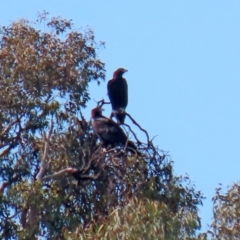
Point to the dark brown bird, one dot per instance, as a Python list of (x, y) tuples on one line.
[(118, 94), (109, 132)]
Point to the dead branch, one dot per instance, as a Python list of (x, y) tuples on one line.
[(70, 171), (97, 154), (9, 126), (4, 185), (85, 164), (6, 151), (33, 215), (45, 154), (135, 136), (23, 218), (60, 173), (101, 103), (133, 120)]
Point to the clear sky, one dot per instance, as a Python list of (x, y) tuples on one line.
[(183, 59)]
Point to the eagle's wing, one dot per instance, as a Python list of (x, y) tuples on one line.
[(109, 131), (118, 93)]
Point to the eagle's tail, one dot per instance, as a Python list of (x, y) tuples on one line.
[(120, 116)]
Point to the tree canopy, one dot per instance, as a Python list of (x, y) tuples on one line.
[(56, 181)]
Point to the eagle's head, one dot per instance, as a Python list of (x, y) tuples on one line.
[(96, 112), (119, 72)]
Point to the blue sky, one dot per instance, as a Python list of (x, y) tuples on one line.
[(183, 59)]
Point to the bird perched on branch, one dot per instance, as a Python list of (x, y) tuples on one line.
[(109, 132), (118, 94)]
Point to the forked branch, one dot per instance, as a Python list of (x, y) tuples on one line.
[(101, 103), (133, 120)]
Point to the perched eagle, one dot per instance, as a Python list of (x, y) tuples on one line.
[(118, 94), (109, 132)]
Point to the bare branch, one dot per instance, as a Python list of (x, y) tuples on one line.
[(45, 154), (23, 218), (70, 171), (138, 141), (138, 126), (9, 126), (33, 216), (4, 185), (60, 173), (4, 145), (101, 103), (6, 151)]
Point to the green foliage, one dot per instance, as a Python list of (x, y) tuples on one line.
[(138, 219), (226, 223), (56, 181), (44, 84)]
